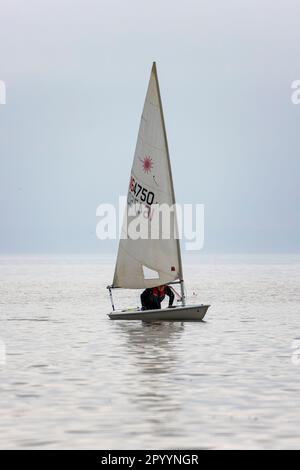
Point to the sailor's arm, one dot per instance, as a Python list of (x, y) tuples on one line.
[(171, 296)]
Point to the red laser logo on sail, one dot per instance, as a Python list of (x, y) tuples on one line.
[(147, 164)]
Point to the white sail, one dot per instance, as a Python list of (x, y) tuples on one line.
[(149, 262)]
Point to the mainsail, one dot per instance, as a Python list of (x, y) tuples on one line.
[(143, 263)]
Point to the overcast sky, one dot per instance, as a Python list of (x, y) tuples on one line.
[(76, 74)]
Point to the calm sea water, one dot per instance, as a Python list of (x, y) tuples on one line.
[(71, 378)]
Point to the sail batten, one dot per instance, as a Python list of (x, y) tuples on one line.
[(151, 171)]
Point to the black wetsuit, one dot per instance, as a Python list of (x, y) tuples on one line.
[(151, 299)]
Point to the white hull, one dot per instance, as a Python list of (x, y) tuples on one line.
[(187, 313)]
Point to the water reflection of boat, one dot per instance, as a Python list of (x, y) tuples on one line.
[(152, 348)]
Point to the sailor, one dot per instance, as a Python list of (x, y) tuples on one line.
[(152, 298)]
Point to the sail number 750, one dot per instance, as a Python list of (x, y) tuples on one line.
[(140, 192)]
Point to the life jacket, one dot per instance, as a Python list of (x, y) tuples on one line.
[(159, 292)]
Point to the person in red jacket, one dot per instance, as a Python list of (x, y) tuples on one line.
[(151, 299)]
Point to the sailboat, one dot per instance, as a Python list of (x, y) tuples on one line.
[(151, 262)]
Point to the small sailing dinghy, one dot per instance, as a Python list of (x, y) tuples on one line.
[(153, 261)]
